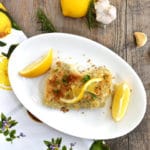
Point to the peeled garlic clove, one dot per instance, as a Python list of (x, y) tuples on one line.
[(141, 38)]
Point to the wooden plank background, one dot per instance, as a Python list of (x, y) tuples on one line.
[(132, 15)]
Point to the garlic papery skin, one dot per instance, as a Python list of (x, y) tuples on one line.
[(105, 13)]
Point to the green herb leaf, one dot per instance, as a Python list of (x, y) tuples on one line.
[(58, 141), (2, 44), (11, 49), (9, 139), (1, 124), (99, 145), (46, 24), (65, 79), (12, 123), (6, 132), (5, 125), (12, 134), (55, 144), (64, 148), (14, 25), (91, 16), (86, 78), (3, 117)]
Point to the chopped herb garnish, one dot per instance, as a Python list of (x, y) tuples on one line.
[(93, 96), (65, 79), (86, 78), (2, 44), (6, 124), (46, 24), (56, 91), (13, 23), (55, 144), (91, 16), (11, 49)]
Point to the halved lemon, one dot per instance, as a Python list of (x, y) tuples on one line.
[(120, 101), (4, 81), (81, 94), (38, 67), (74, 8)]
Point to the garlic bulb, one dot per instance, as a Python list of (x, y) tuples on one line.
[(105, 12)]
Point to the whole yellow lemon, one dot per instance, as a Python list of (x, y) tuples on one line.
[(5, 25), (74, 8)]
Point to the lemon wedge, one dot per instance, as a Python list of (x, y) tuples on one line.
[(83, 89), (5, 25), (38, 67), (74, 8), (120, 101), (4, 81)]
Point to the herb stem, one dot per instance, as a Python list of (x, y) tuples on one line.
[(46, 24)]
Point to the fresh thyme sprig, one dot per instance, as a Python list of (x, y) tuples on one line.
[(55, 144), (99, 145), (6, 124), (46, 24), (91, 16)]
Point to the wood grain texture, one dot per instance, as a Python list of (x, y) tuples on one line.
[(132, 15)]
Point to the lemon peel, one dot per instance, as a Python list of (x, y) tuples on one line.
[(4, 80), (74, 8), (83, 89), (2, 7), (5, 25), (120, 101), (38, 67)]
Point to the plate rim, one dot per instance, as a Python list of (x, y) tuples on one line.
[(103, 47)]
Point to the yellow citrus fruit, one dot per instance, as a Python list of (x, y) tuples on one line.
[(120, 101), (4, 81), (81, 94), (2, 7), (5, 25), (38, 67), (74, 8)]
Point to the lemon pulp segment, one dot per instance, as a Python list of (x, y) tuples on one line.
[(120, 101), (38, 67), (83, 89)]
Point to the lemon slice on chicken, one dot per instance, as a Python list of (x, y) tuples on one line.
[(38, 67), (82, 91)]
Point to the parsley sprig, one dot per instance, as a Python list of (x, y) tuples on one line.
[(55, 144), (6, 125)]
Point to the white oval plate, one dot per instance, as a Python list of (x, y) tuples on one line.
[(90, 124)]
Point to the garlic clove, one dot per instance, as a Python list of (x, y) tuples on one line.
[(141, 38)]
